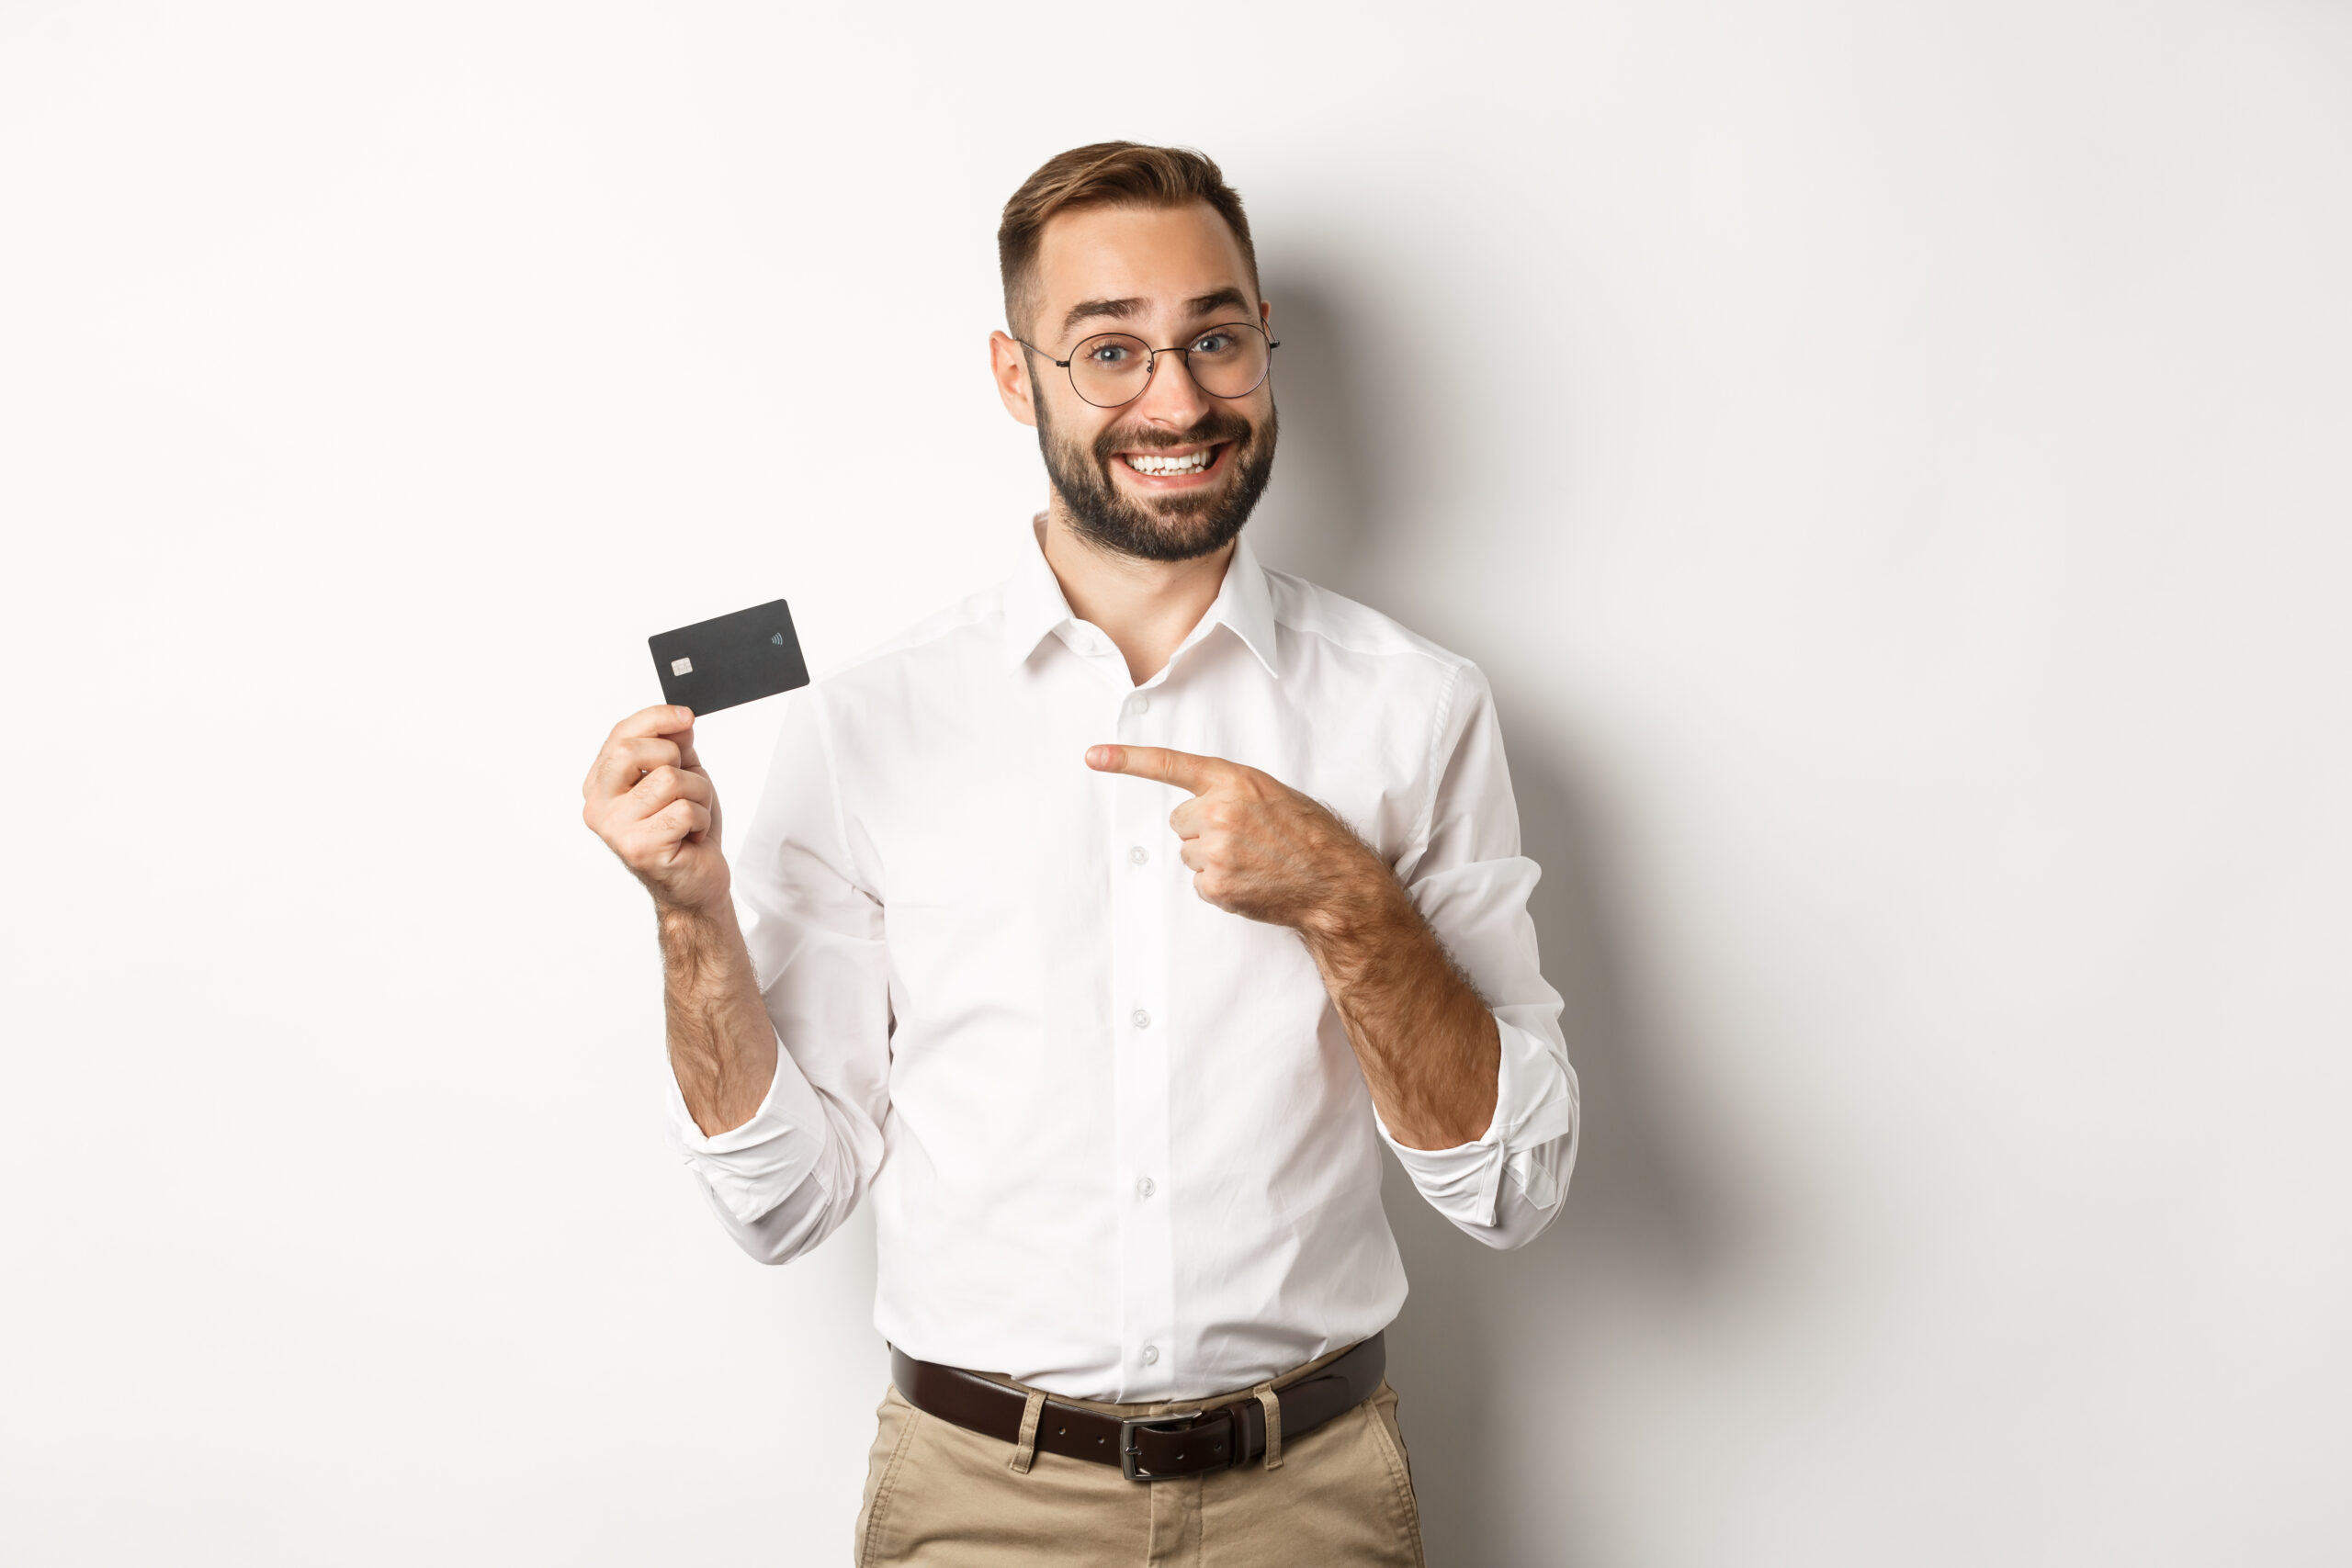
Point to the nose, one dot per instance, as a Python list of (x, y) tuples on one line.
[(1172, 397)]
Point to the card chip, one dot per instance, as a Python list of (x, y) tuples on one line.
[(682, 667)]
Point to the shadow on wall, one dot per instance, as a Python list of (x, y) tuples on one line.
[(1487, 1352)]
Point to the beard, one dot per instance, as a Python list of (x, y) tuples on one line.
[(1168, 527)]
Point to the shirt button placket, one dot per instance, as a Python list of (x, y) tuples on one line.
[(1138, 816)]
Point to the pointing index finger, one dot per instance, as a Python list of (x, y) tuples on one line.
[(1182, 768)]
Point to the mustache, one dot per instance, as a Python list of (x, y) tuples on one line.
[(1212, 427)]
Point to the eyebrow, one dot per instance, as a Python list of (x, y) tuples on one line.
[(1128, 308), (1223, 297), (1120, 309)]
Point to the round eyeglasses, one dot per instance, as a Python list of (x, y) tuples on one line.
[(1110, 369)]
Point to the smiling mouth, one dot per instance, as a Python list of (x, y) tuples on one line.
[(1164, 466)]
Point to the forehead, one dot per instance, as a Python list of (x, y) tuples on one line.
[(1160, 254)]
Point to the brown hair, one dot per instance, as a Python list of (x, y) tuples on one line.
[(1106, 174)]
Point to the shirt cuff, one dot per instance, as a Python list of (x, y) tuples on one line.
[(1532, 1107), (751, 1168)]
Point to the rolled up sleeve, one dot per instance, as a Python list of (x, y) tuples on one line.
[(786, 1179), (1471, 883)]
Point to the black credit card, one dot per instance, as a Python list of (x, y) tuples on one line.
[(735, 658)]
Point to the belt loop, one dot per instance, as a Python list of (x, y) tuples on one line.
[(1273, 1403), (1024, 1451)]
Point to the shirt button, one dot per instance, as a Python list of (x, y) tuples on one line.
[(1150, 1354), (1138, 704), (1144, 1189), (1139, 854), (1141, 1020)]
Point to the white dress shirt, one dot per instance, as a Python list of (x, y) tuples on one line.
[(1115, 1139)]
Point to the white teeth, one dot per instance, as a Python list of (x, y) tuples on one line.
[(1190, 464)]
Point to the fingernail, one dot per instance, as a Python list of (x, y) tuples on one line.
[(1098, 756)]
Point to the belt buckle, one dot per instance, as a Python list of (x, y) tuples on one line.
[(1132, 1426)]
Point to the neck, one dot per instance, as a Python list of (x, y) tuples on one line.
[(1146, 607)]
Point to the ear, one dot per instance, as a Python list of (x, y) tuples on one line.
[(1009, 364)]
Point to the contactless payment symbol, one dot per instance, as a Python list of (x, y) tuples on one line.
[(777, 640)]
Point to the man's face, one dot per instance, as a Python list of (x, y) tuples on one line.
[(1162, 275)]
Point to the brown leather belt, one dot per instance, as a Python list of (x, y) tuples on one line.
[(1146, 1448)]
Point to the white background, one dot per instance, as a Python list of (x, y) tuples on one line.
[(1892, 460)]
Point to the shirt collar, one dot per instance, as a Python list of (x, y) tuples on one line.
[(1034, 607)]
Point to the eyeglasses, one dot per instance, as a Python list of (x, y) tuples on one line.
[(1110, 369)]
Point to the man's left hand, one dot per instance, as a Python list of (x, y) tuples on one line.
[(1257, 847)]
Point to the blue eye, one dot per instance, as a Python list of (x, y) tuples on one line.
[(1212, 342), (1108, 354)]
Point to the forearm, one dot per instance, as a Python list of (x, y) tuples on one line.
[(722, 1046), (1427, 1045)]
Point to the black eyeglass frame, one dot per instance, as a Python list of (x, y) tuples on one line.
[(1151, 365)]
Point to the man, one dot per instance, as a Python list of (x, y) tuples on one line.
[(1101, 928)]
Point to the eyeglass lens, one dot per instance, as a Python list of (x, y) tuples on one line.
[(1225, 362)]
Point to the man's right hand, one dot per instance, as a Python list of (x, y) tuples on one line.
[(649, 799)]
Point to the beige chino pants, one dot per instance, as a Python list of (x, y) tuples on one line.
[(940, 1497)]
